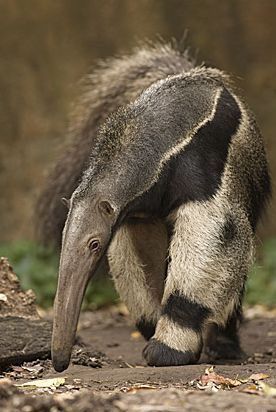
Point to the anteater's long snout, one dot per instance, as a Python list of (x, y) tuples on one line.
[(68, 300), (85, 239)]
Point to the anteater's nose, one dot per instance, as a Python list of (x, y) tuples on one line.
[(60, 361)]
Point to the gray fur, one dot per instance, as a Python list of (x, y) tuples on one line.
[(132, 149), (114, 82), (138, 140)]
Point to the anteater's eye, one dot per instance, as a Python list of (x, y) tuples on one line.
[(94, 245)]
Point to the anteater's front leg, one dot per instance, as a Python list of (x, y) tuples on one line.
[(138, 258), (209, 255)]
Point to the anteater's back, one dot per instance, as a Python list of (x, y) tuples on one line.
[(115, 82)]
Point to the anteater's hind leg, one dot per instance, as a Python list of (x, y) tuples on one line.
[(210, 251), (223, 342), (138, 260)]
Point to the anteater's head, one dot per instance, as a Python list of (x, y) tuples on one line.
[(86, 235)]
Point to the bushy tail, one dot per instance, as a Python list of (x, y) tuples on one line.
[(114, 83)]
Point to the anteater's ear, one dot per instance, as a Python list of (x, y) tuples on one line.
[(66, 202), (106, 208)]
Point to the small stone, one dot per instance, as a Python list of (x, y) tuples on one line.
[(3, 297)]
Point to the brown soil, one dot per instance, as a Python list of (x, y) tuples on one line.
[(108, 373)]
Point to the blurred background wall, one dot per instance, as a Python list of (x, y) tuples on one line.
[(47, 46)]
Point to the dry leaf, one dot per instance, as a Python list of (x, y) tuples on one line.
[(208, 370), (219, 380), (211, 386), (129, 365), (33, 369), (252, 389), (267, 389), (258, 376), (135, 335), (18, 368), (211, 376), (134, 389), (43, 383)]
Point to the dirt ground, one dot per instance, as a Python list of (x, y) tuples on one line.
[(108, 374)]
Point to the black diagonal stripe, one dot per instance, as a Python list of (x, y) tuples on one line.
[(186, 313)]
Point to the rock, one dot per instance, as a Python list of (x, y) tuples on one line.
[(24, 336), (24, 340), (13, 300)]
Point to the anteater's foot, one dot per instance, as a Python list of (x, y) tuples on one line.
[(220, 344), (157, 353), (225, 349)]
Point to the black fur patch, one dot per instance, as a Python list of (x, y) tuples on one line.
[(229, 230), (185, 313), (146, 328), (195, 173), (157, 353)]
